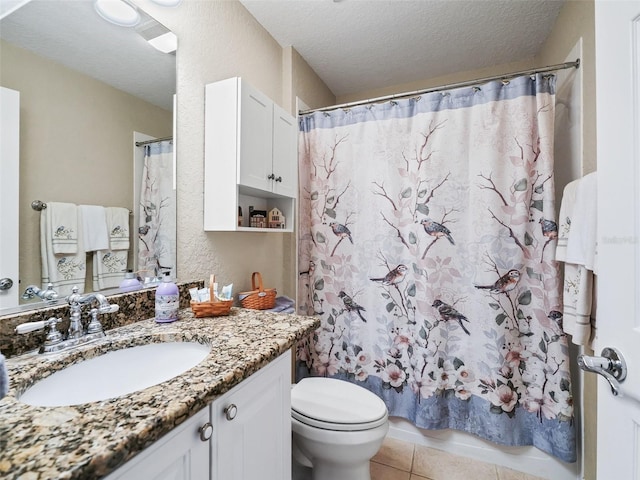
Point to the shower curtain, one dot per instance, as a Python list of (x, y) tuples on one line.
[(427, 239), (157, 230)]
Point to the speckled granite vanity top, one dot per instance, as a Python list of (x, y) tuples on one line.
[(91, 440)]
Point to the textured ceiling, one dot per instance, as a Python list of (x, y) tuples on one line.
[(358, 45), (353, 45), (71, 33)]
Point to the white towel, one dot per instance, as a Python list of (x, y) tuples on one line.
[(63, 222), (63, 271), (582, 242), (564, 221), (109, 267), (578, 319), (118, 225), (578, 299), (94, 228)]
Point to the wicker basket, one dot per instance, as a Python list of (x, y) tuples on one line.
[(214, 307), (258, 298)]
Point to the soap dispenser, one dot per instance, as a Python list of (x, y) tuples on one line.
[(167, 300), (130, 282)]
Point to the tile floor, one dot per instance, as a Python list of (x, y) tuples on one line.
[(399, 460)]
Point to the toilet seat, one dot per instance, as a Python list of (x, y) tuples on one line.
[(337, 405)]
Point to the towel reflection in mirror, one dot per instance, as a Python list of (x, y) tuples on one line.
[(69, 232)]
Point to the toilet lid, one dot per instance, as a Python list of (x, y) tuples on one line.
[(336, 405)]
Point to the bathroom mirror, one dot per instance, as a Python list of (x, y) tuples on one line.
[(86, 86)]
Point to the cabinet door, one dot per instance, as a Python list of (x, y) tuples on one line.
[(179, 455), (285, 153), (255, 143), (253, 441)]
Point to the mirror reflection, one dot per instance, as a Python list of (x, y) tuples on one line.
[(88, 91)]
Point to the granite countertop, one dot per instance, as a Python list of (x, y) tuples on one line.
[(91, 440)]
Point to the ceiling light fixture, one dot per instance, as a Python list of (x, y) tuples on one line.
[(118, 12), (166, 43)]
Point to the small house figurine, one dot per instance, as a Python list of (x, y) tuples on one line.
[(276, 219), (258, 218)]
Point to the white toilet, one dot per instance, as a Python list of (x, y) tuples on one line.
[(337, 427)]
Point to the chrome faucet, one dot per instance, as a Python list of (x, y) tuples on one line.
[(47, 295), (76, 301), (76, 334)]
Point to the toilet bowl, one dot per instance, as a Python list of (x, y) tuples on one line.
[(336, 428)]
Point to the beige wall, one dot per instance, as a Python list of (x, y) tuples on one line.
[(306, 84), (76, 139)]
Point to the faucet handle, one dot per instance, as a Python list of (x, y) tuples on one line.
[(54, 337), (109, 308), (29, 327), (33, 326), (94, 329)]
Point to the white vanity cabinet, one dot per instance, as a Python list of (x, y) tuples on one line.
[(251, 156), (179, 455), (248, 431), (253, 427)]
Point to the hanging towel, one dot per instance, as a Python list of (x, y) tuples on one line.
[(582, 242), (4, 378), (94, 228), (63, 271), (578, 208), (63, 222), (118, 226), (578, 300), (566, 212), (109, 267)]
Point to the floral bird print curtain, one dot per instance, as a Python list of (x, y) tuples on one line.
[(157, 230), (427, 236)]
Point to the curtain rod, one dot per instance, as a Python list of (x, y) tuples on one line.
[(147, 142), (469, 83)]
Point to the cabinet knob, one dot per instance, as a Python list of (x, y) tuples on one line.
[(271, 177), (230, 412), (205, 432), (278, 179)]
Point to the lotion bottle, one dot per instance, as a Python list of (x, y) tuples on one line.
[(167, 300)]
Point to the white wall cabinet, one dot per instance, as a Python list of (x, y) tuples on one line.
[(250, 156), (250, 436)]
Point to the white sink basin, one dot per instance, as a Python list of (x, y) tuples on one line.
[(115, 373)]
